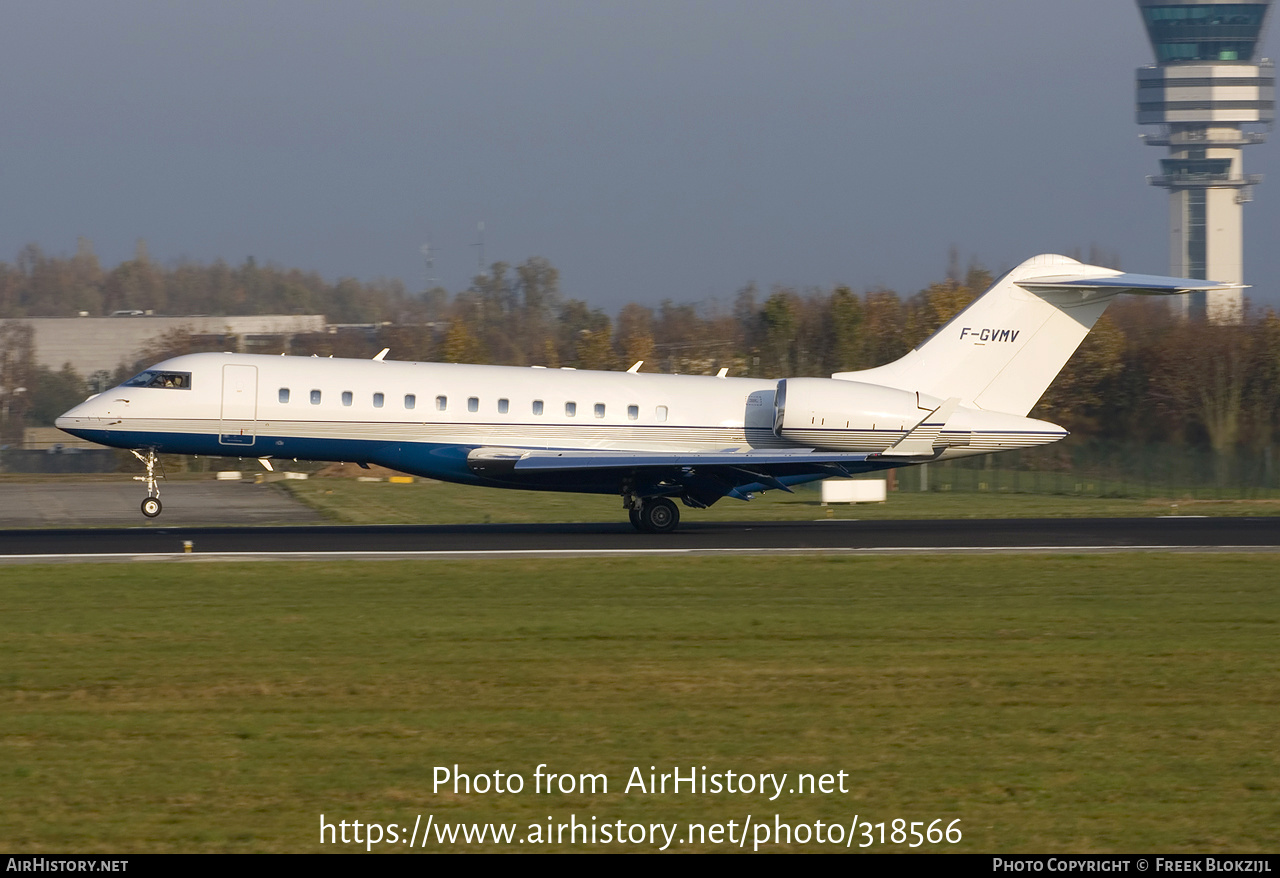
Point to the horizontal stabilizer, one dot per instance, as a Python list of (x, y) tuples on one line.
[(1138, 284)]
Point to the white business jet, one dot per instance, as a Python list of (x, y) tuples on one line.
[(649, 438)]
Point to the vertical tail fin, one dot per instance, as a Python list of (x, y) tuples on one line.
[(1003, 350)]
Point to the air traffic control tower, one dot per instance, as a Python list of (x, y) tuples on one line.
[(1208, 83)]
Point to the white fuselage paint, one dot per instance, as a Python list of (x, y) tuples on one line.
[(671, 412), (239, 399)]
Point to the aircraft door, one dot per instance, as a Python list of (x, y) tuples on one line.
[(239, 405)]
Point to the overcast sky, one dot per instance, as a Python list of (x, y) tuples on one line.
[(650, 150)]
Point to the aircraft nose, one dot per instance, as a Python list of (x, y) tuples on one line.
[(81, 416)]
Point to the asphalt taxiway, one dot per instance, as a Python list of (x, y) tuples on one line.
[(115, 502)]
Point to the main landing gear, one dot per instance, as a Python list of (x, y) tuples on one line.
[(653, 515), (151, 506)]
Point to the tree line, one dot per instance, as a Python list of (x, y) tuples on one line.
[(1142, 375)]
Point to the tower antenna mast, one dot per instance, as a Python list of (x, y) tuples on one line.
[(428, 255), (479, 245)]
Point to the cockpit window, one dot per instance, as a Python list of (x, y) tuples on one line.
[(151, 378)]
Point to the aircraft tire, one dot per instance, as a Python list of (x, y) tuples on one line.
[(659, 516), (151, 507), (634, 515)]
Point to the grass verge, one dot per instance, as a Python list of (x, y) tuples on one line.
[(429, 502), (1105, 703)]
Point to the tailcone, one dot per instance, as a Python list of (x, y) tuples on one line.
[(997, 431)]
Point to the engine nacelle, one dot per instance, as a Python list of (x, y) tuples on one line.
[(846, 415)]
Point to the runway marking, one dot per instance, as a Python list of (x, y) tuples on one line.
[(454, 554)]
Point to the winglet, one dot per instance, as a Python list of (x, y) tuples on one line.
[(920, 441), (636, 367), (382, 353)]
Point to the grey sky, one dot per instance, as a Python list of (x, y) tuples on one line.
[(650, 150)]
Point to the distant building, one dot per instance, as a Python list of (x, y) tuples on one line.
[(91, 344), (1207, 84)]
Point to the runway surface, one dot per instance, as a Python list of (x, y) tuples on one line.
[(470, 541)]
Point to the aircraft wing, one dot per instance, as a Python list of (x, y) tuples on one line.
[(528, 460), (708, 473)]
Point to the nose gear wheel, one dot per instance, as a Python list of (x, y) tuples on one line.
[(151, 506)]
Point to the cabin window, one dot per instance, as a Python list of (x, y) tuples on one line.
[(473, 404), (284, 394), (442, 403), (660, 412), (315, 397), (599, 410), (570, 409), (378, 400), (537, 406), (347, 397), (410, 400), (503, 405), (151, 378), (633, 413)]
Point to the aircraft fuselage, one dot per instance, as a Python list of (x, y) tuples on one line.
[(426, 418)]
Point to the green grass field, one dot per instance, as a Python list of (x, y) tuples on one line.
[(1082, 704), (428, 502)]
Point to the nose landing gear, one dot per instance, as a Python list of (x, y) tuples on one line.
[(151, 506)]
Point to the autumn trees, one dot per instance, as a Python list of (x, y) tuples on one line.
[(39, 285), (1142, 376)]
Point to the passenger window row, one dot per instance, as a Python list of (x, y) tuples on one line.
[(473, 404)]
